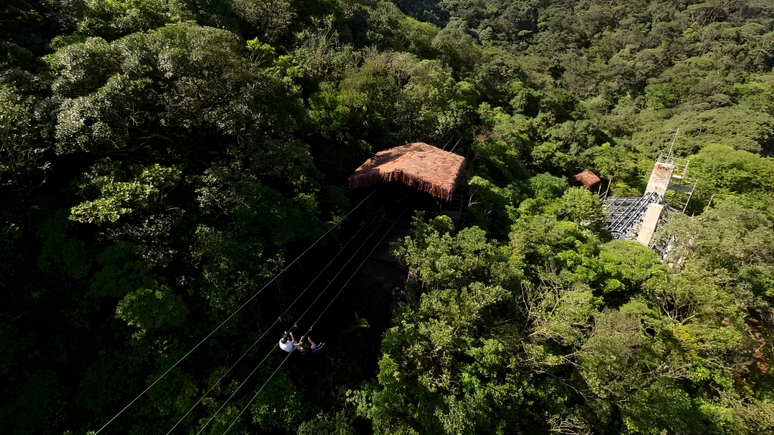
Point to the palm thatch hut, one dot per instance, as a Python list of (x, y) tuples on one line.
[(418, 165), (588, 179)]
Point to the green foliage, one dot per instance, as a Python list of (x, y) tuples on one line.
[(662, 407), (491, 207), (260, 51), (756, 93), (498, 161), (724, 171), (12, 346), (117, 18), (36, 405), (448, 261), (174, 394), (279, 405), (614, 163), (118, 198), (270, 20), (21, 138), (261, 220), (121, 273), (10, 238), (548, 156), (106, 378), (614, 356), (582, 207), (728, 237), (167, 88), (457, 47), (61, 252), (547, 186), (391, 98), (445, 368), (389, 29), (322, 424), (630, 266), (719, 125), (151, 308), (160, 161)]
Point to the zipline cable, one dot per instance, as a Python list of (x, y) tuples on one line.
[(313, 302), (259, 392), (376, 216), (240, 386), (361, 265), (234, 313), (455, 145), (345, 265), (319, 317)]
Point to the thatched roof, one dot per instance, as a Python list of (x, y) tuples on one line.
[(419, 165), (588, 179)]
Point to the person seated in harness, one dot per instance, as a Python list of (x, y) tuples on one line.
[(288, 345), (308, 347)]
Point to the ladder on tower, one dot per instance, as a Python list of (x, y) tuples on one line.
[(682, 184)]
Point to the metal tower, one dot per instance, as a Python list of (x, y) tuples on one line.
[(638, 218)]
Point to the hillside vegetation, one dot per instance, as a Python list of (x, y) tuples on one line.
[(162, 160)]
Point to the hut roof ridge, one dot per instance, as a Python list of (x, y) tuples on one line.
[(417, 164)]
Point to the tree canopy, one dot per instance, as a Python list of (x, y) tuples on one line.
[(162, 161)]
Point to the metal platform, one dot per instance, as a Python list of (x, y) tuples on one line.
[(625, 213)]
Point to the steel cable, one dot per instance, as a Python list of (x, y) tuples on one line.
[(376, 216), (307, 310), (233, 314), (315, 322)]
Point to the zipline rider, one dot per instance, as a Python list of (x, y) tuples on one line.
[(288, 345)]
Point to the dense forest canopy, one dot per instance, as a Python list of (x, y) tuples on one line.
[(161, 161)]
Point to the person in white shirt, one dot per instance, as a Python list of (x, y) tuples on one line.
[(288, 345)]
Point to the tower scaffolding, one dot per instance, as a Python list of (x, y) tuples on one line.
[(638, 218), (680, 183), (624, 214)]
